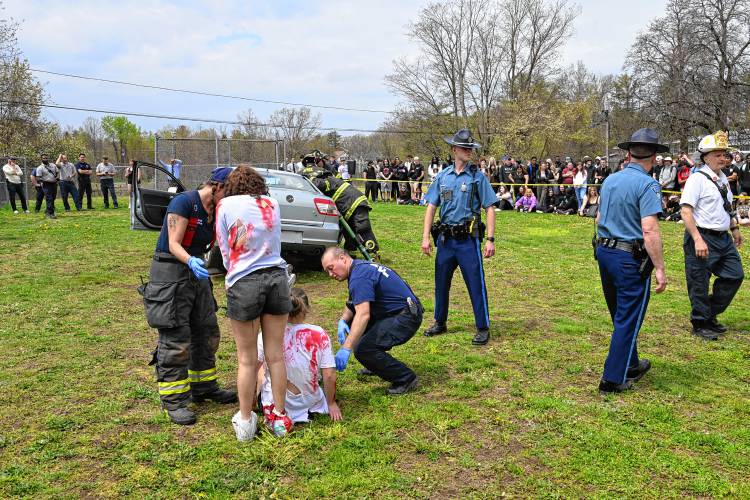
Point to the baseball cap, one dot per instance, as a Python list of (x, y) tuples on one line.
[(220, 174)]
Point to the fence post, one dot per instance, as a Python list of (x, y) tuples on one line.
[(216, 149), (229, 144)]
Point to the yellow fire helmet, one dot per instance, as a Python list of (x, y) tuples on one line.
[(715, 142)]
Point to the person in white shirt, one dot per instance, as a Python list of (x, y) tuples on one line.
[(14, 183), (248, 233), (344, 171), (105, 171), (708, 245), (307, 356)]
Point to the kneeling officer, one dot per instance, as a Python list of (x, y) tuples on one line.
[(179, 302)]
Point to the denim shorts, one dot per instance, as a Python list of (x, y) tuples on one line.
[(265, 291)]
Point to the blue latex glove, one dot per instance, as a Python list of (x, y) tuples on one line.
[(343, 331), (197, 266), (342, 358)]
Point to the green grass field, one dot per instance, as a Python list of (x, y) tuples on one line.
[(521, 417)]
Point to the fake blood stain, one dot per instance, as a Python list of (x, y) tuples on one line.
[(239, 234), (313, 341), (266, 211)]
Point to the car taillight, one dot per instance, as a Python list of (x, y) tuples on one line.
[(326, 207)]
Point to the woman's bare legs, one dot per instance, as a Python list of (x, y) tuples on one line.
[(273, 327), (246, 338)]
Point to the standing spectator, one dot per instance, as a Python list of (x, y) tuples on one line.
[(129, 178), (395, 176), (434, 170), (533, 169), (13, 181), (543, 177), (683, 172), (106, 173), (668, 174), (744, 175), (371, 185), (68, 177), (733, 175), (84, 181), (343, 171), (49, 175), (556, 179), (385, 182), (416, 176), (567, 174), (657, 167), (506, 170), (580, 179), (519, 179), (174, 167), (38, 187)]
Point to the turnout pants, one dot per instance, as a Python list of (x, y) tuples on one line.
[(724, 262), (465, 254), (381, 335), (627, 296), (13, 190), (69, 188), (360, 224), (84, 186), (50, 193), (183, 309)]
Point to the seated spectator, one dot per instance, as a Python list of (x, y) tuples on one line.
[(527, 202), (504, 199), (547, 204), (565, 203), (590, 205), (307, 353), (743, 210), (671, 208)]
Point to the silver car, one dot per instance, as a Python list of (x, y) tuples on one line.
[(309, 219)]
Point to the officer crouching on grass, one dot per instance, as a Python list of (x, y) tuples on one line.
[(709, 247), (628, 247), (382, 312), (461, 191)]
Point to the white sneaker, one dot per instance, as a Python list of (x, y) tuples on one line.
[(15, 211), (25, 211), (245, 429)]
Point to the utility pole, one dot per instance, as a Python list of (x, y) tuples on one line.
[(605, 111)]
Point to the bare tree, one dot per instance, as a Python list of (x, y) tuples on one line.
[(295, 126), (92, 129)]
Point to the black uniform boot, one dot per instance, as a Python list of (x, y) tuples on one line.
[(436, 329), (713, 324), (222, 396), (481, 338), (635, 373), (606, 386), (181, 416)]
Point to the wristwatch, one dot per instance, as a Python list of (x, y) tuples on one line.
[(491, 239)]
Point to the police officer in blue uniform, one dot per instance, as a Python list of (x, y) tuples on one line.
[(628, 248), (461, 191)]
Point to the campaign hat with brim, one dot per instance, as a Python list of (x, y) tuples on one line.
[(645, 137), (462, 139)]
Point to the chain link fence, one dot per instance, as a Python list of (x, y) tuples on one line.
[(200, 156)]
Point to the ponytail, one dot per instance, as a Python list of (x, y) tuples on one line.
[(300, 303)]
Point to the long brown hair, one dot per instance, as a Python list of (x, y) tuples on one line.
[(245, 180), (300, 303)]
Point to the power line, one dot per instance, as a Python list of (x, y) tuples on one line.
[(204, 120), (209, 94)]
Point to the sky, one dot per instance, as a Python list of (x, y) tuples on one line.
[(330, 53)]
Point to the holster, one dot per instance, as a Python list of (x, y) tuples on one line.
[(646, 266)]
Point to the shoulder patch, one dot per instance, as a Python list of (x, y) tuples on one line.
[(655, 188)]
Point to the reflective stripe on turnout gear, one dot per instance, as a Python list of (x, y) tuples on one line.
[(354, 206), (339, 191), (176, 387), (202, 376)]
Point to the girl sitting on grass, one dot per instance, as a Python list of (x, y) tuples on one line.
[(307, 353)]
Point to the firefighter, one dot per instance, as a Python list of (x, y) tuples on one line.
[(353, 207), (179, 302)]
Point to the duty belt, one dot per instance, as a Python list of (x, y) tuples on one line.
[(166, 257), (712, 232), (626, 246)]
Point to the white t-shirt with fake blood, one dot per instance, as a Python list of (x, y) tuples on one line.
[(307, 350), (248, 232)]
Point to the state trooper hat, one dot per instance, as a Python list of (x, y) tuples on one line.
[(462, 139), (645, 137)]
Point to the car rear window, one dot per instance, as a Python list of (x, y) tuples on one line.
[(287, 182)]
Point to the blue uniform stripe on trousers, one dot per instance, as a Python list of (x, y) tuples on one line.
[(484, 286), (638, 325)]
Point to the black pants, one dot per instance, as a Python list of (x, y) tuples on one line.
[(39, 197), (84, 185), (13, 190), (108, 187), (183, 310), (383, 334), (69, 188), (371, 190), (50, 194), (360, 224), (724, 262)]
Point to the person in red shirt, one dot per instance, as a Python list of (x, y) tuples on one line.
[(568, 173)]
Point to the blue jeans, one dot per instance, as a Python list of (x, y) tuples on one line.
[(66, 188)]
